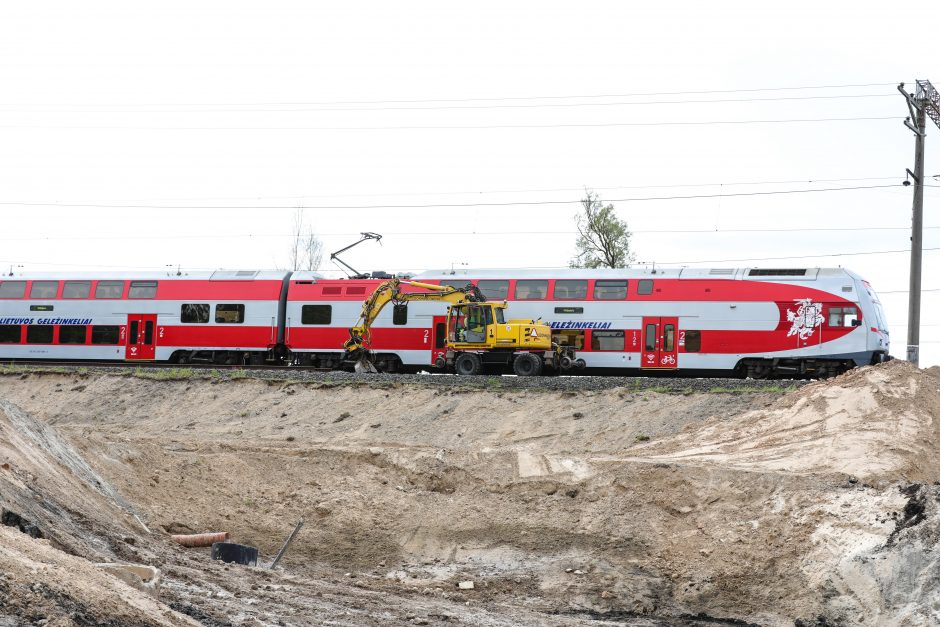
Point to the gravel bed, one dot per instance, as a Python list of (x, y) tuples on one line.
[(681, 385)]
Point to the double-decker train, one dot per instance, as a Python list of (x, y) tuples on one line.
[(756, 322)]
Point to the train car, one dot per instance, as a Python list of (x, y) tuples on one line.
[(754, 322), (215, 317)]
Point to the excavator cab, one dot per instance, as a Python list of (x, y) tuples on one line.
[(471, 323)]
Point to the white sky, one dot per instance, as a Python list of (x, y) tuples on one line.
[(174, 114)]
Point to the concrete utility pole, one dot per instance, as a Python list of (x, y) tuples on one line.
[(925, 101)]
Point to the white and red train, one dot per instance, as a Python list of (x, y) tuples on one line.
[(753, 322)]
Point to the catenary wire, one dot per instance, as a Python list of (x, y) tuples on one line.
[(448, 107), (452, 205), (451, 127), (554, 97), (300, 197), (449, 233)]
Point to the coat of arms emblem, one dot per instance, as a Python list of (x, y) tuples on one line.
[(807, 317)]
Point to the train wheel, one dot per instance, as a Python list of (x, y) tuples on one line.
[(468, 364), (527, 365)]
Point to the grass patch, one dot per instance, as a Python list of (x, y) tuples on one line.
[(164, 374)]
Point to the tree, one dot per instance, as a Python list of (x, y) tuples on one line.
[(306, 249), (603, 239)]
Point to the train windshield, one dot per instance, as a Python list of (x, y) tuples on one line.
[(879, 311)]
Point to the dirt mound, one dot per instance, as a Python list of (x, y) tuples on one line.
[(58, 516), (878, 422), (562, 507)]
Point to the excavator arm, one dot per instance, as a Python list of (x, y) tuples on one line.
[(390, 291)]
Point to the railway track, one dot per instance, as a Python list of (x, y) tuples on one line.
[(326, 377)]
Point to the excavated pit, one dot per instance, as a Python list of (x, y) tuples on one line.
[(677, 506)]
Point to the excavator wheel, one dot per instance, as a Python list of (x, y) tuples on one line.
[(527, 365), (468, 364)]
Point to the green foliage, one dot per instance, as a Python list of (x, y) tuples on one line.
[(603, 239)]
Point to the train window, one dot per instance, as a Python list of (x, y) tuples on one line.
[(669, 338), (12, 289), (494, 290), (843, 317), (644, 287), (109, 289), (531, 290), (230, 314), (73, 334), (569, 338), (650, 342), (610, 290), (400, 314), (142, 289), (194, 313), (316, 314), (39, 334), (105, 334), (571, 289), (133, 333), (10, 333), (44, 289), (76, 289), (440, 335), (693, 341), (148, 332), (607, 340)]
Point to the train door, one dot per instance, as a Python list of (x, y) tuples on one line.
[(141, 337), (439, 326), (659, 343)]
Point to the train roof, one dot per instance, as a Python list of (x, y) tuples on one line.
[(789, 274), (170, 275)]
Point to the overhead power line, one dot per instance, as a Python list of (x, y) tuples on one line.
[(451, 127), (718, 231), (516, 98), (300, 198), (287, 108), (451, 205)]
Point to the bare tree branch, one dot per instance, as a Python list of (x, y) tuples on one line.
[(306, 249)]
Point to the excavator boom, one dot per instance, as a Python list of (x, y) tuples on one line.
[(478, 336), (390, 291)]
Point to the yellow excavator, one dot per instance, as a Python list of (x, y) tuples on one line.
[(478, 335)]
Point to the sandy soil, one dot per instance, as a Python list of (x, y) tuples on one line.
[(810, 507)]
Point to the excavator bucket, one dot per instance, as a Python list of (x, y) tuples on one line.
[(364, 364), (362, 360)]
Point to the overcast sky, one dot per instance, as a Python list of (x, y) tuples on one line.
[(185, 133)]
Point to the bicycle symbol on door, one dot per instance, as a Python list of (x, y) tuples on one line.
[(668, 360)]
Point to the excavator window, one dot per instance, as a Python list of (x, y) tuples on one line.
[(458, 325), (476, 323)]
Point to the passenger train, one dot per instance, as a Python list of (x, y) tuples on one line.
[(754, 322)]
